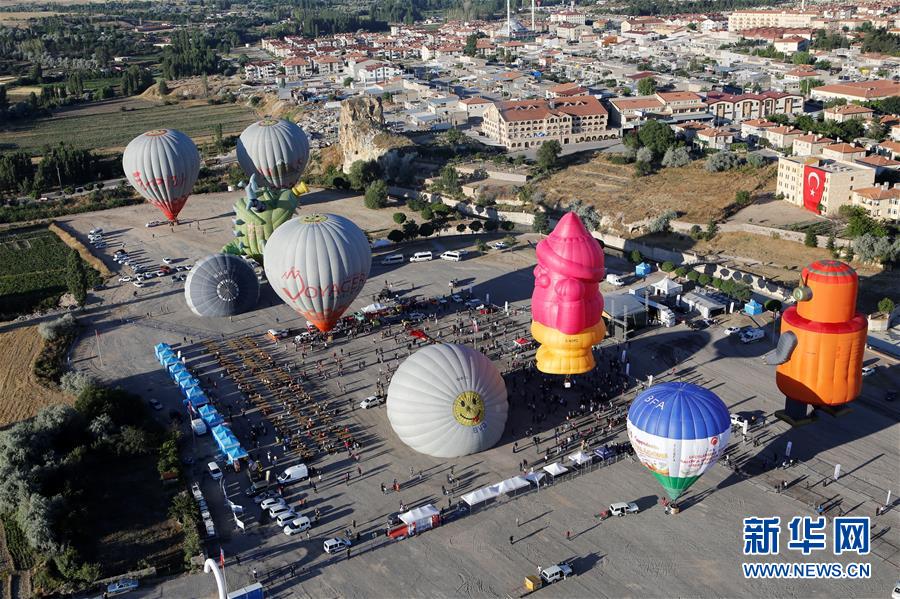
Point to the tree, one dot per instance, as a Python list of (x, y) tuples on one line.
[(162, 87), (348, 81), (645, 154), (76, 277), (810, 240), (491, 225), (693, 275), (461, 228), (399, 218), (662, 223), (860, 223), (676, 157), (722, 161), (802, 58), (807, 85), (704, 279), (870, 248), (646, 86), (743, 198), (427, 213), (642, 169), (548, 155), (507, 225), (481, 246), (426, 229), (756, 160), (540, 224), (363, 172), (657, 136), (635, 257), (712, 229), (449, 180), (680, 271), (410, 229), (454, 136), (886, 305), (376, 195), (395, 235), (471, 47), (475, 226)]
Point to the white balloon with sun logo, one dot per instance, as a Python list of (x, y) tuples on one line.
[(447, 401)]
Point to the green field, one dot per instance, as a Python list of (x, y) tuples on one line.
[(32, 270), (106, 126)]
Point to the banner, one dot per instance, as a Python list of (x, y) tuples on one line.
[(813, 187)]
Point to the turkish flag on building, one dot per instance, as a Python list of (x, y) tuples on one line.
[(813, 187)]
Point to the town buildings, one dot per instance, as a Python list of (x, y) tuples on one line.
[(524, 124)]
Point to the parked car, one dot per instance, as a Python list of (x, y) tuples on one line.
[(499, 245), (281, 508), (868, 370), (371, 402), (297, 525), (125, 279), (137, 283), (167, 260), (336, 544), (622, 508), (615, 280), (154, 403), (293, 474), (266, 495), (271, 502), (283, 518), (457, 298), (751, 335), (555, 573), (732, 331), (421, 257), (120, 587), (214, 471), (738, 420)]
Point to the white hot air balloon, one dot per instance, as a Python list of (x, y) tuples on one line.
[(447, 401), (162, 165), (318, 264), (276, 150)]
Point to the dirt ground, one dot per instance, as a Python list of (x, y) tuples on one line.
[(697, 195), (22, 396)]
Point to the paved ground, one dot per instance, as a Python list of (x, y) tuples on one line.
[(696, 553), (774, 213)]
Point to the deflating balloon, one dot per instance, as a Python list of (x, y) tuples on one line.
[(162, 165), (678, 430), (221, 285), (276, 150), (447, 401), (317, 264)]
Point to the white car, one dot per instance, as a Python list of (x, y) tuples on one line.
[(557, 572), (214, 471), (167, 260), (125, 279), (97, 231), (868, 370), (277, 510), (271, 502), (297, 525), (265, 495), (283, 518), (336, 544), (137, 283), (499, 245), (622, 508), (732, 331), (371, 402)]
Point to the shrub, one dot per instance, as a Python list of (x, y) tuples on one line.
[(717, 282), (74, 382), (661, 224), (680, 271), (693, 275), (541, 224), (712, 229), (743, 198), (704, 279), (507, 225), (773, 305), (642, 169), (376, 195), (396, 235), (644, 155), (427, 213), (722, 161), (667, 266), (756, 160), (415, 204), (635, 257), (886, 305), (676, 157), (461, 227), (481, 246), (491, 225), (52, 329), (399, 218), (810, 240), (696, 232), (475, 226)]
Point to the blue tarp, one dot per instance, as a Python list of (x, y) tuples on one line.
[(643, 269), (160, 348), (193, 392), (225, 439), (168, 359), (184, 378), (196, 401), (210, 415), (174, 368), (235, 453), (753, 308)]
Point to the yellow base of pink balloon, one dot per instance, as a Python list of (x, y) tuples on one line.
[(566, 354)]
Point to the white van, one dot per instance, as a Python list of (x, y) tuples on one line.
[(198, 426), (622, 508), (452, 256), (392, 259), (751, 335), (294, 474), (421, 257), (614, 280)]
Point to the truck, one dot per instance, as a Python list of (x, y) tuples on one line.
[(615, 280), (751, 335)]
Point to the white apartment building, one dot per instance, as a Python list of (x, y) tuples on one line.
[(752, 19), (799, 178), (525, 124)]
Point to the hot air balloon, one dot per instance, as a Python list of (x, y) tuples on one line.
[(221, 285), (257, 215), (162, 165), (447, 401), (678, 430), (823, 339), (317, 264), (566, 307), (275, 149)]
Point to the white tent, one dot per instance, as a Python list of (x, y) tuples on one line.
[(424, 512), (580, 458), (513, 484), (667, 287), (535, 477), (555, 469), (376, 307), (481, 495)]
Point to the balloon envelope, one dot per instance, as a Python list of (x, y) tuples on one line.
[(221, 285), (276, 149), (162, 165), (447, 401), (678, 430), (318, 264)]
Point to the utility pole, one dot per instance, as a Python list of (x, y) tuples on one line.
[(508, 21)]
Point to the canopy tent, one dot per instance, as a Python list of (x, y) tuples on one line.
[(424, 512), (535, 477), (175, 368), (161, 348), (511, 485), (210, 415), (168, 360), (194, 392), (232, 454), (667, 287), (604, 453), (753, 308), (555, 469), (643, 269), (225, 439), (196, 401), (521, 342), (188, 382), (481, 495), (580, 458)]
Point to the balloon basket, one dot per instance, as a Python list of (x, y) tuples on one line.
[(795, 413), (835, 411), (672, 509)]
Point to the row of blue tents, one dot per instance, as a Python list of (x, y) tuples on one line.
[(194, 396)]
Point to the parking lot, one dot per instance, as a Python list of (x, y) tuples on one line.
[(696, 552)]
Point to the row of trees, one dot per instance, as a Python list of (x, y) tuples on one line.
[(60, 165)]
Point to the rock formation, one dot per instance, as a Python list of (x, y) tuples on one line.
[(361, 131)]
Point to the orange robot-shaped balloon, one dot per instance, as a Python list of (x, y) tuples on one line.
[(823, 337)]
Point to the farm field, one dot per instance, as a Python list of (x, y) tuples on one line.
[(108, 127), (697, 195), (22, 396)]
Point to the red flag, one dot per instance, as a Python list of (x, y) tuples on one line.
[(221, 557), (418, 334), (813, 187)]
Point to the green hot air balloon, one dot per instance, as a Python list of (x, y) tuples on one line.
[(257, 216)]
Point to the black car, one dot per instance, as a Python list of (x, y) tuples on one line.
[(394, 520)]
